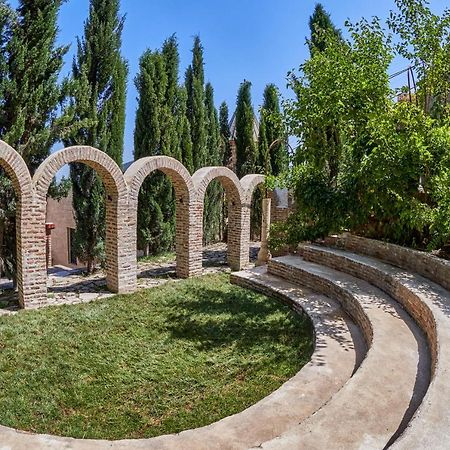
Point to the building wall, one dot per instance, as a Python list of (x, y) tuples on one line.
[(60, 213)]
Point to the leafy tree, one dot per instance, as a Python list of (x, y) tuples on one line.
[(246, 151), (98, 91), (30, 64), (424, 40), (343, 90), (272, 148)]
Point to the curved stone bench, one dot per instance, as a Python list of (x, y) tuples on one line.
[(429, 304), (339, 349), (375, 405)]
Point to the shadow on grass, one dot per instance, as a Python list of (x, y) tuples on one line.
[(213, 318)]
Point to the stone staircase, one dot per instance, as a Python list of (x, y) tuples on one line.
[(399, 395)]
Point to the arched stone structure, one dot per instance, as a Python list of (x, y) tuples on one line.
[(186, 237), (249, 184), (236, 214), (122, 191), (31, 275), (120, 249)]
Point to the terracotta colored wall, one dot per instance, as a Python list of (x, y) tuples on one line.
[(61, 214)]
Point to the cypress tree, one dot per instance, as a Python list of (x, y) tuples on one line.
[(272, 144), (196, 113), (225, 134), (161, 128), (246, 151), (319, 25), (30, 64), (98, 104), (184, 128), (214, 194)]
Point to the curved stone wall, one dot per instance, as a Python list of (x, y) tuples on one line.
[(122, 192)]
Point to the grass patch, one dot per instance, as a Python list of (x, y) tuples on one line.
[(158, 259), (159, 361)]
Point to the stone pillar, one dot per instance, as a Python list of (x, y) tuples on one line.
[(189, 237), (264, 253), (31, 258), (120, 245), (48, 243), (238, 235)]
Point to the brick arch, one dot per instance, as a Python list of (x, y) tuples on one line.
[(249, 183), (30, 262), (119, 273), (237, 242), (203, 177), (16, 169), (187, 262), (103, 164)]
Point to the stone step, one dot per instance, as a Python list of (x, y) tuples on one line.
[(429, 304), (374, 406)]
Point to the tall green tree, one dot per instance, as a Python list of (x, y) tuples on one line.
[(196, 110), (246, 148), (328, 145), (225, 134), (272, 148), (30, 65), (161, 128), (214, 194), (320, 24), (203, 122), (184, 129), (99, 74)]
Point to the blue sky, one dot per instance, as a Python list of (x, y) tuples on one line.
[(247, 39)]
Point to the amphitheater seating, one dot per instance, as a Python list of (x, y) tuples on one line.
[(399, 397), (379, 373)]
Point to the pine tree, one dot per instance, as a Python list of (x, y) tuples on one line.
[(196, 113), (319, 24), (272, 146), (30, 65), (214, 194), (161, 128), (246, 151), (225, 135), (98, 103)]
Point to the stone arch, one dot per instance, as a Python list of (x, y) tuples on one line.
[(30, 262), (185, 196), (236, 213), (120, 273), (249, 183)]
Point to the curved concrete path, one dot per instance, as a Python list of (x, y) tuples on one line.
[(339, 349), (430, 426), (375, 405)]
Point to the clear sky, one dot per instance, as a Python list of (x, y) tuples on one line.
[(257, 40)]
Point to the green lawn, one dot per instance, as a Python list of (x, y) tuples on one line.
[(166, 359)]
